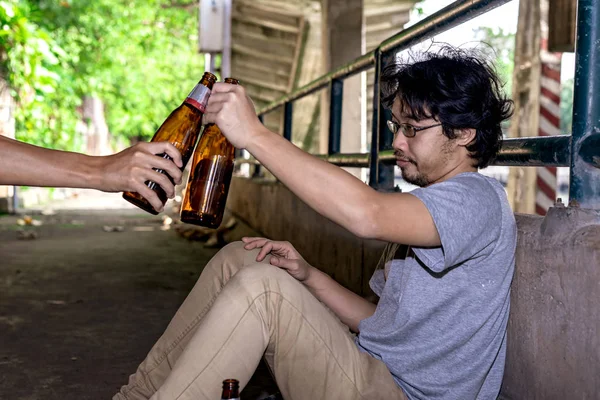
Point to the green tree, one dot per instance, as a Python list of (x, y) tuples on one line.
[(499, 47), (139, 58), (566, 106)]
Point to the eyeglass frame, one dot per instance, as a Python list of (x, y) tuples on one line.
[(394, 127)]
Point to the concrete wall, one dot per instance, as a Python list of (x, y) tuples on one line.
[(554, 339), (554, 328)]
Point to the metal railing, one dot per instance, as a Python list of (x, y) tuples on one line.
[(579, 151)]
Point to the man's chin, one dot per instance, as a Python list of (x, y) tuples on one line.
[(416, 180)]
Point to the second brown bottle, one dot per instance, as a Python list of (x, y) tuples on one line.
[(210, 177), (181, 129)]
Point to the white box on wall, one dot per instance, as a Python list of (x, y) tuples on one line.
[(214, 22)]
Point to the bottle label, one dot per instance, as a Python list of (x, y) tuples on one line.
[(198, 97)]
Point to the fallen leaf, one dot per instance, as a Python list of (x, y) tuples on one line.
[(56, 302), (26, 235), (108, 228), (143, 228)]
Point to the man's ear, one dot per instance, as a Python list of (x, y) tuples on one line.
[(465, 136)]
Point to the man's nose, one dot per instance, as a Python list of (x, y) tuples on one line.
[(400, 142)]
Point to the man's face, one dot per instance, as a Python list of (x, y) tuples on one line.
[(426, 158)]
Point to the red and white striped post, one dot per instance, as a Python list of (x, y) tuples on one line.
[(549, 125)]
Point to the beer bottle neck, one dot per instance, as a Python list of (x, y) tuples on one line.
[(231, 390), (198, 97), (230, 395)]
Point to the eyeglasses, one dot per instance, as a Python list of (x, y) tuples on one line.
[(407, 129)]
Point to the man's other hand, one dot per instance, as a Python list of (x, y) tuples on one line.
[(283, 255)]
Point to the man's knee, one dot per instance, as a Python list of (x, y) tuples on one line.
[(231, 254), (233, 249), (235, 253), (263, 277)]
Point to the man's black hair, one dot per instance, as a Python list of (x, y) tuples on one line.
[(456, 88)]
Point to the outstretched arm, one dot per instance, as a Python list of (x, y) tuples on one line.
[(328, 189), (23, 164)]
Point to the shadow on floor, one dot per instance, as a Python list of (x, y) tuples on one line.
[(80, 307)]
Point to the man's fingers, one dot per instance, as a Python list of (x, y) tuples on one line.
[(211, 112), (174, 154), (247, 239), (283, 262), (167, 166), (222, 87), (220, 98), (165, 147), (264, 251), (162, 180), (252, 243), (149, 195), (209, 117)]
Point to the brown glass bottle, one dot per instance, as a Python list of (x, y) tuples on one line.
[(181, 129), (231, 390), (210, 177)]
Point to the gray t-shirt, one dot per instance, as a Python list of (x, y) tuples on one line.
[(440, 324)]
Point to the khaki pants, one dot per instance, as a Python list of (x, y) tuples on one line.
[(241, 310)]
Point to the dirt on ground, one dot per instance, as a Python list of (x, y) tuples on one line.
[(83, 297)]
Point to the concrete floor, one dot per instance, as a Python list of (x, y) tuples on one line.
[(80, 307)]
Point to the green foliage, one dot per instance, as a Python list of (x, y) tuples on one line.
[(140, 58), (501, 51), (566, 106), (499, 47), (418, 7)]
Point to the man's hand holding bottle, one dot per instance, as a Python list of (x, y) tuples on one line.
[(232, 110), (130, 169)]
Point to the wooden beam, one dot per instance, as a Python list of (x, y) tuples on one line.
[(254, 53), (266, 84), (267, 24), (521, 186), (265, 69), (270, 10), (237, 29), (561, 25), (342, 36)]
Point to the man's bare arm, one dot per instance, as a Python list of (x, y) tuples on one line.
[(328, 189), (23, 164)]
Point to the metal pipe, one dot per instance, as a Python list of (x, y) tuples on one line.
[(448, 17), (456, 13), (15, 200), (386, 173), (374, 158), (336, 97), (517, 152), (288, 113), (360, 64), (584, 188), (535, 152), (257, 167)]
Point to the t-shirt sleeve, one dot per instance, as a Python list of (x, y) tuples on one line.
[(467, 213)]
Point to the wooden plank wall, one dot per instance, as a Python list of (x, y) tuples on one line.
[(383, 18), (266, 43), (276, 47)]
